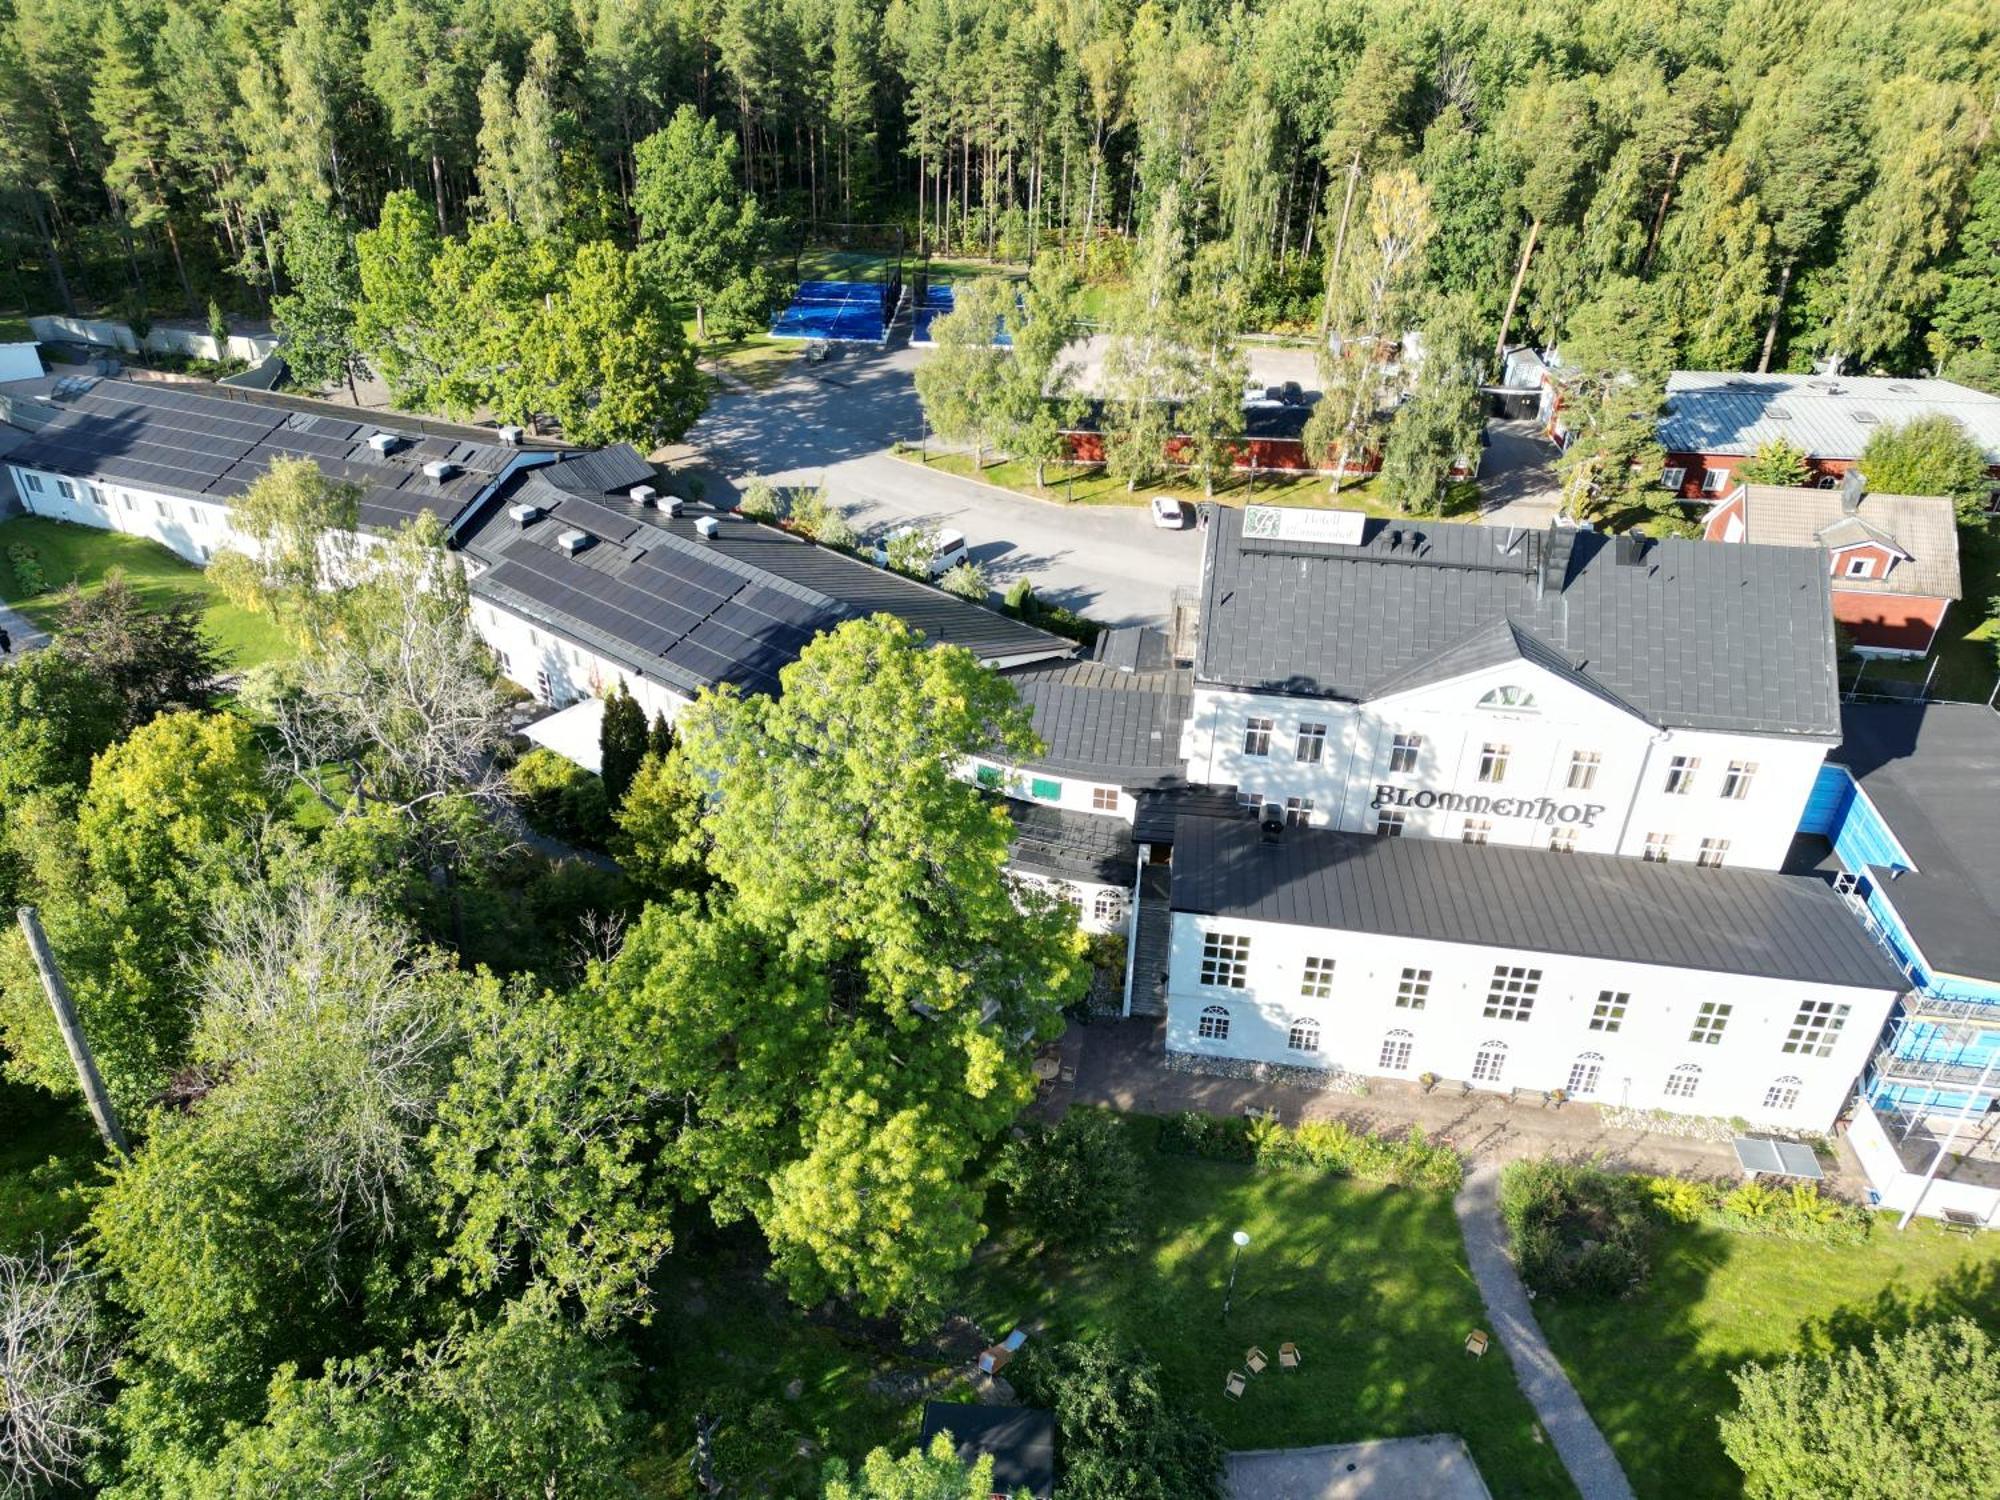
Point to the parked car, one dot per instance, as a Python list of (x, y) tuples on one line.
[(947, 548), (1169, 513)]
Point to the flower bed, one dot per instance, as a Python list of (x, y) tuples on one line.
[(1316, 1146)]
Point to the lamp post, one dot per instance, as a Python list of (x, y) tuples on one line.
[(1242, 1239)]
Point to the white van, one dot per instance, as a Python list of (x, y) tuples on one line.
[(947, 548)]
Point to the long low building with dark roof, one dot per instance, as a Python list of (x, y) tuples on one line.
[(1736, 993)]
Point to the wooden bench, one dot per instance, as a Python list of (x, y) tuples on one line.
[(1958, 1221)]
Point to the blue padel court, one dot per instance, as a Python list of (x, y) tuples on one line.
[(848, 312), (937, 301)]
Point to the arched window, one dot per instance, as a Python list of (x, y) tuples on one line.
[(1516, 699), (1489, 1062), (1396, 1051), (1683, 1081), (1783, 1094), (1304, 1036), (1583, 1074), (1214, 1025), (1109, 905)]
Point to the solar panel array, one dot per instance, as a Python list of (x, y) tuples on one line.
[(161, 437), (711, 623)]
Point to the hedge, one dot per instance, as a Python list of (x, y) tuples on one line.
[(1323, 1146)]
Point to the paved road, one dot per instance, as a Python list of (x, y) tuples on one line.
[(836, 422), (1579, 1444), (1517, 476)]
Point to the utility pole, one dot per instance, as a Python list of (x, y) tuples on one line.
[(72, 1032)]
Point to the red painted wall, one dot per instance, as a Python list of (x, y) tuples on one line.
[(1697, 464), (1892, 622)]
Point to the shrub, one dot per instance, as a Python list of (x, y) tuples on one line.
[(759, 501), (1325, 1146), (1575, 1227), (30, 577), (808, 510), (1023, 603), (1120, 1435), (835, 531), (1799, 1212), (910, 551), (1213, 1137), (560, 799), (967, 581), (1076, 1186)]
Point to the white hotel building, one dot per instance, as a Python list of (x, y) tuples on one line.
[(1504, 807)]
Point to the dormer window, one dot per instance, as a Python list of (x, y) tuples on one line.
[(1861, 567), (1513, 699)]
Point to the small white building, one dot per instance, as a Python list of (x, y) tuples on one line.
[(1728, 993)]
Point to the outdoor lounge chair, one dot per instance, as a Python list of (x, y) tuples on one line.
[(1288, 1356), (1475, 1342), (1234, 1386), (1256, 1360)]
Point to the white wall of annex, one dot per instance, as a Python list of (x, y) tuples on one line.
[(1636, 1060)]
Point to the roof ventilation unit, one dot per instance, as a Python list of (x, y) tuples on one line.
[(384, 443), (511, 436), (573, 542), (641, 494), (1271, 819), (525, 514), (440, 469), (708, 526), (671, 505)]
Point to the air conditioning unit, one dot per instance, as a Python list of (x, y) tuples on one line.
[(383, 443), (671, 505), (525, 514), (440, 469), (641, 494), (708, 526), (573, 542), (511, 436)]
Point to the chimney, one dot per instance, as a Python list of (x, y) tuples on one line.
[(1271, 819), (1853, 485)]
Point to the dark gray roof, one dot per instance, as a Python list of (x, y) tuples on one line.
[(1686, 634), (1105, 724), (189, 440), (1072, 845), (1021, 1439), (652, 593), (1590, 905), (603, 471), (1933, 772), (1158, 812)]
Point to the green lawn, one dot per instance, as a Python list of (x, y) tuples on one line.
[(1965, 650), (46, 1146), (1654, 1370), (85, 554), (1370, 1282)]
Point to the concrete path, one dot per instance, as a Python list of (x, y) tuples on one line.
[(1579, 1444), (26, 635), (1517, 476)]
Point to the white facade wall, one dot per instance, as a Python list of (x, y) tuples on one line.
[(1899, 1188), (1105, 799), (1099, 907), (558, 670), (1446, 1035), (1625, 803)]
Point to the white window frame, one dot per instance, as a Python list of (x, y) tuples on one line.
[(1860, 567), (1404, 750), (1395, 1054), (1310, 738), (1659, 849), (1783, 1094), (1684, 1082), (1713, 855), (1608, 1013), (1710, 1021), (1562, 841), (1673, 476), (1104, 799), (1680, 775), (1816, 1028), (1413, 989), (1303, 1036), (1511, 994), (1583, 766), (1584, 1075), (1493, 758), (1736, 780), (1225, 960), (1713, 481), (1298, 812), (1489, 1062), (1213, 1024), (1316, 979), (1257, 736), (1390, 823)]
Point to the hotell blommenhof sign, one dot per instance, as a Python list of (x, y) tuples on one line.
[(1541, 809)]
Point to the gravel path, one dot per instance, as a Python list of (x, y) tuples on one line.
[(1579, 1444)]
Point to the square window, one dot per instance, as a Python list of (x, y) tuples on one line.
[(1225, 960), (1317, 982), (1104, 798), (1583, 770), (1860, 567), (1311, 744), (1713, 480), (1257, 737), (1563, 841), (1683, 1081), (1298, 811), (1511, 995), (1250, 799), (1736, 780), (1214, 1025), (1680, 775), (1815, 1028), (1477, 830), (1713, 853), (1413, 989), (1303, 1037), (1404, 752), (1389, 823), (1396, 1052), (1709, 1022), (1045, 790), (1493, 762), (65, 489), (1659, 847), (1673, 476), (1609, 1012)]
